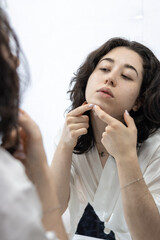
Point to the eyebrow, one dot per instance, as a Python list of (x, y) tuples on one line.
[(126, 65)]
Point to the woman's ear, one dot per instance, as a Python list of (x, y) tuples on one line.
[(137, 105)]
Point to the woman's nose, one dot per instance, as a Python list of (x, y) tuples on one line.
[(111, 79)]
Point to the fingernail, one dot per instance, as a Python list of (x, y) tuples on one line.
[(94, 110), (91, 105), (127, 112), (20, 155), (20, 147)]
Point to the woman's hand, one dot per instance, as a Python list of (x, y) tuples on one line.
[(30, 151), (76, 125), (117, 138)]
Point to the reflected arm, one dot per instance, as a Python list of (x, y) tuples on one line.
[(140, 210), (60, 168)]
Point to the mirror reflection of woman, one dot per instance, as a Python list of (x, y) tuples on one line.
[(109, 150), (108, 154)]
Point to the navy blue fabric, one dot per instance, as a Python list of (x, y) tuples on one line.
[(90, 225)]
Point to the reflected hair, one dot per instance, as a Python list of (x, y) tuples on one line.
[(9, 82), (147, 118)]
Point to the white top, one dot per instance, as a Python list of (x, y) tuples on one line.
[(100, 186), (20, 208)]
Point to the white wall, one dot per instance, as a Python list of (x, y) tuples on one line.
[(56, 36)]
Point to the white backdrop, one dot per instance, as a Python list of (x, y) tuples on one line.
[(57, 35)]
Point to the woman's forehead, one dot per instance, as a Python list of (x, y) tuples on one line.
[(124, 55)]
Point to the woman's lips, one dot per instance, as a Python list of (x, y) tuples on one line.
[(106, 92)]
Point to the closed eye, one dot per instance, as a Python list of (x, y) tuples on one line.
[(104, 69), (126, 77)]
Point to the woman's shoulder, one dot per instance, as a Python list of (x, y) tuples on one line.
[(154, 138), (19, 202), (150, 147), (15, 187), (12, 175), (10, 165)]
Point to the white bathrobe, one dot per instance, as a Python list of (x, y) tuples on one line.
[(100, 186), (20, 208)]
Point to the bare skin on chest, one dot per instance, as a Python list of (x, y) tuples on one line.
[(104, 159), (103, 154)]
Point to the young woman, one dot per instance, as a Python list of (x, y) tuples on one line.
[(20, 208), (109, 150)]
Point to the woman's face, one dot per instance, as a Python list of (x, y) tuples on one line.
[(115, 83)]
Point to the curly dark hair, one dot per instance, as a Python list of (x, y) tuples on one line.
[(9, 82), (147, 118)]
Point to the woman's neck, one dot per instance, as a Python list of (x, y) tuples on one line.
[(98, 127)]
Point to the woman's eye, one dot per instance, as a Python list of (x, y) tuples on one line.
[(126, 77), (104, 69)]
